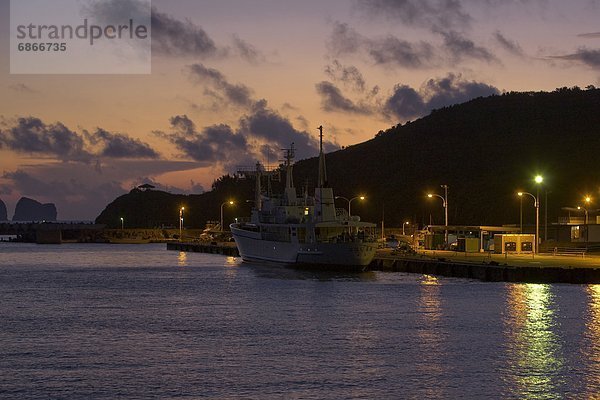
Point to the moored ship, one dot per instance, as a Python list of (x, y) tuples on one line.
[(305, 230)]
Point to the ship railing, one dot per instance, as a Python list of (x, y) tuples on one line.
[(342, 213)]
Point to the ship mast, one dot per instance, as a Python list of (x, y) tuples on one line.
[(322, 182), (289, 156), (257, 172), (290, 191)]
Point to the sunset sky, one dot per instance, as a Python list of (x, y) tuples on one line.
[(235, 81)]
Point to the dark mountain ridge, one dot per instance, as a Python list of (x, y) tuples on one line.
[(485, 150)]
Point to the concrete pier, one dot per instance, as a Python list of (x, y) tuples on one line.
[(493, 268), (483, 267)]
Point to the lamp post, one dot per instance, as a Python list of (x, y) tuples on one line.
[(122, 223), (405, 223), (230, 202), (521, 214), (587, 200), (538, 180), (445, 205), (585, 210), (537, 217), (180, 221), (350, 201)]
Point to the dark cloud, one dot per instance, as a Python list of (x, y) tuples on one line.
[(82, 192), (591, 35), (28, 184), (173, 37), (116, 11), (247, 51), (509, 45), (584, 56), (388, 50), (407, 102), (216, 144), (31, 135), (261, 131), (261, 135), (74, 199), (461, 48), (345, 40), (391, 50), (170, 36), (278, 131), (238, 95), (430, 14), (350, 76), (118, 145), (332, 99)]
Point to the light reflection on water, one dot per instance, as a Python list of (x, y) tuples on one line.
[(182, 259), (592, 335), (100, 321), (430, 336)]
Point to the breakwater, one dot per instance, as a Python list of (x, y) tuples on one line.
[(545, 270), (490, 272)]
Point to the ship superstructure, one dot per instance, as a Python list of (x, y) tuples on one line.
[(305, 229)]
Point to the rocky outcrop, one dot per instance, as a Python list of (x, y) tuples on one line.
[(30, 210), (3, 213)]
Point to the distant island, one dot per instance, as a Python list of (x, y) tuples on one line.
[(32, 210), (485, 150), (3, 212)]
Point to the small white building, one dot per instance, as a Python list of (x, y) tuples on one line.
[(516, 243)]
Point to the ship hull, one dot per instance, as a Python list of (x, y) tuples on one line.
[(253, 248)]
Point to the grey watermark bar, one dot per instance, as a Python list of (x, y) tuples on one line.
[(80, 36)]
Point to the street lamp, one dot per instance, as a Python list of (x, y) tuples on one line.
[(445, 205), (230, 202), (180, 221), (350, 201), (405, 223), (122, 222), (536, 204), (521, 214), (538, 180), (585, 210)]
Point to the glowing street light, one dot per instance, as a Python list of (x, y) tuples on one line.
[(538, 179), (445, 205), (230, 202), (181, 221), (536, 204), (405, 223), (585, 210), (350, 201), (122, 223)]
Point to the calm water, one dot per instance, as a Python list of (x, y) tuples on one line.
[(107, 322)]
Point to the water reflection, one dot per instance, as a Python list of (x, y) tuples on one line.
[(231, 270), (317, 273), (182, 259), (431, 337), (534, 346), (592, 326)]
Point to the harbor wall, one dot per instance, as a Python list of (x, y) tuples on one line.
[(487, 272)]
